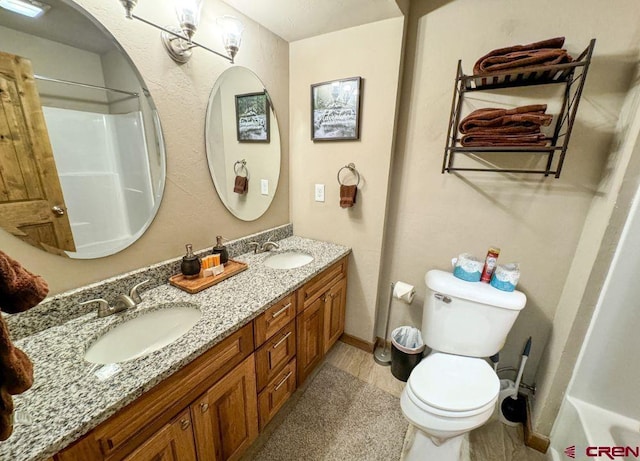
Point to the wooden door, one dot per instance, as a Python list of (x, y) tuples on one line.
[(174, 442), (334, 310), (310, 338), (31, 201), (226, 417)]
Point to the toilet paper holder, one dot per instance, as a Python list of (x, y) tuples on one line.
[(404, 292)]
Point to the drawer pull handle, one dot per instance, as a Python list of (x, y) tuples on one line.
[(204, 407), (184, 424), (284, 380), (275, 314), (283, 339)]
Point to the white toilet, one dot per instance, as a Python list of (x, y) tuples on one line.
[(454, 390)]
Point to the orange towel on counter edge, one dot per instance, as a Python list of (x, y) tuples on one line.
[(16, 376), (241, 185), (20, 290), (348, 196), (6, 414)]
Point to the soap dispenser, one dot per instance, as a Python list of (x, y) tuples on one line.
[(190, 266), (221, 250)]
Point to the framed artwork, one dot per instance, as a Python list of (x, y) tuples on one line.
[(335, 110), (252, 117)]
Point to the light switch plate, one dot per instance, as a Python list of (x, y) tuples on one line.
[(264, 186), (319, 194)]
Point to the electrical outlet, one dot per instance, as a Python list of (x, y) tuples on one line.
[(264, 186), (319, 195)]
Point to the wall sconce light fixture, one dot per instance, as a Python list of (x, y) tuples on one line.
[(178, 40)]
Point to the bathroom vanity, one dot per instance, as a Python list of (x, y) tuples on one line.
[(205, 396)]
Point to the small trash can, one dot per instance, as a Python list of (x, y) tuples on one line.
[(406, 351)]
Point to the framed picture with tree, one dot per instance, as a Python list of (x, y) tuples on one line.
[(252, 117), (335, 110)]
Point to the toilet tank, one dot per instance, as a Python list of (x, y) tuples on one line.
[(467, 318)]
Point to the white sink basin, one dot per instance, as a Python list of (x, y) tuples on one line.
[(288, 260), (144, 334)]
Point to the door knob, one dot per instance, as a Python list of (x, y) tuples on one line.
[(57, 210)]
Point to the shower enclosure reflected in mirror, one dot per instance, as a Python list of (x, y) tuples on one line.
[(83, 162), (238, 145)]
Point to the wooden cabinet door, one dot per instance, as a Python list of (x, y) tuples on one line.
[(225, 418), (334, 306), (174, 442), (29, 183), (310, 328)]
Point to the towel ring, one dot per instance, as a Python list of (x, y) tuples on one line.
[(351, 167), (239, 166)]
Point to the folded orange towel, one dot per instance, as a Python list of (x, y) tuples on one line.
[(19, 289), (490, 140), (348, 196), (241, 185), (480, 66)]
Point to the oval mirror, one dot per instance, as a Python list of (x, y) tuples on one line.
[(243, 143), (82, 161)]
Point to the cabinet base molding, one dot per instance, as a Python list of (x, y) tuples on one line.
[(357, 342)]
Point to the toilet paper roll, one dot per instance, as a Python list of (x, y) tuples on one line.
[(467, 267), (404, 292), (506, 277)]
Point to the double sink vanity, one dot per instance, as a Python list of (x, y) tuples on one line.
[(181, 376)]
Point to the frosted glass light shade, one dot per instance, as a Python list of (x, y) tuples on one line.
[(188, 12), (231, 29)]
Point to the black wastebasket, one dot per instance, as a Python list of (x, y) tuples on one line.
[(404, 357)]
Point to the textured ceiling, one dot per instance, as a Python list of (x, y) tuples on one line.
[(298, 19)]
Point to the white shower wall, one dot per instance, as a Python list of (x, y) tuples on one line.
[(105, 181)]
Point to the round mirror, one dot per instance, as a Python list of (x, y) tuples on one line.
[(81, 150), (243, 143)]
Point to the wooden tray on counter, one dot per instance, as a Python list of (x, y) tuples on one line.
[(194, 286)]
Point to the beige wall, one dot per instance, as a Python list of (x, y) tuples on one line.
[(535, 221), (603, 226), (372, 52), (191, 211)]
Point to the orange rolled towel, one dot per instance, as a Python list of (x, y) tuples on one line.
[(20, 290), (348, 196), (241, 185)]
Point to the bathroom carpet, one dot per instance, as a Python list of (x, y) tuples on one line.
[(338, 417)]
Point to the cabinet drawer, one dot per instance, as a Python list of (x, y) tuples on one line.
[(137, 421), (279, 389), (275, 354), (319, 284), (274, 318)]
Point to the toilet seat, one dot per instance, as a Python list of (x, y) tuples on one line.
[(453, 386)]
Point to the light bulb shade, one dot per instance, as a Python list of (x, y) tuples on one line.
[(231, 29), (188, 12), (129, 5)]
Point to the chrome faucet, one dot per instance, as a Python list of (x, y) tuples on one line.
[(266, 246), (123, 302)]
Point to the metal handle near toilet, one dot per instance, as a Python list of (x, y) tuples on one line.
[(440, 297)]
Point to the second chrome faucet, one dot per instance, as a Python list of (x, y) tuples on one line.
[(266, 246), (123, 302)]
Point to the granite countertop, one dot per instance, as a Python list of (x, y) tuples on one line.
[(67, 399)]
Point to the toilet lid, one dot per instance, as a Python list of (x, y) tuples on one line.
[(454, 382)]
